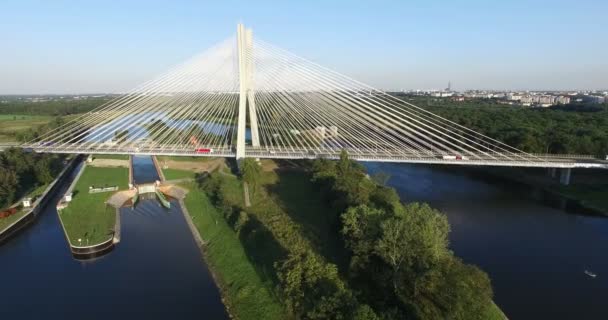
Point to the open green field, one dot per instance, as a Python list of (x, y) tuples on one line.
[(88, 217), (184, 158), (173, 174), (111, 156), (12, 124), (247, 292)]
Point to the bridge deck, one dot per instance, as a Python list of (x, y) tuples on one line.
[(483, 159)]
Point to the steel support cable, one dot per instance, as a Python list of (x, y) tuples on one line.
[(403, 102), (194, 110), (434, 141), (148, 96), (285, 97), (362, 113), (143, 110), (351, 101), (322, 91), (287, 57), (117, 103), (302, 104)]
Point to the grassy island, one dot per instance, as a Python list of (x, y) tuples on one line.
[(314, 244), (88, 217)]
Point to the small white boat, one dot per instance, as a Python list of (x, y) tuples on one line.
[(591, 274)]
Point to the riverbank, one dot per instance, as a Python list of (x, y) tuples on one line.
[(20, 220), (246, 292), (588, 187), (246, 246)]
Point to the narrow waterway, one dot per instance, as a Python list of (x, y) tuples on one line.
[(535, 252), (143, 170), (155, 272)]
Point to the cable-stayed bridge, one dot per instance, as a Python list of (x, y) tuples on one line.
[(245, 97)]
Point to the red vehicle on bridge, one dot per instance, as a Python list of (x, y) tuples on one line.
[(203, 150)]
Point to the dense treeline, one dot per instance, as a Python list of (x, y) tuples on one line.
[(21, 172), (51, 108), (574, 128), (399, 265)]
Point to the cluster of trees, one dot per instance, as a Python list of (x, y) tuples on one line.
[(21, 171), (308, 285), (52, 107), (574, 128), (400, 263)]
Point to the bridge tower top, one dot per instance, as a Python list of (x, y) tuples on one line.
[(246, 91)]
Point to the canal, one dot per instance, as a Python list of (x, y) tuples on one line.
[(534, 251), (155, 272)]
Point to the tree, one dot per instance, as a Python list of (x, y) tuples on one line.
[(251, 172), (393, 245), (8, 186), (381, 178), (454, 290), (361, 229), (312, 288)]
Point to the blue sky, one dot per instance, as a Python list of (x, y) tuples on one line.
[(112, 46)]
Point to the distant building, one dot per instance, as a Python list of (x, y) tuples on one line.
[(595, 99)]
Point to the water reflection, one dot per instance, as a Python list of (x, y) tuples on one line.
[(535, 254)]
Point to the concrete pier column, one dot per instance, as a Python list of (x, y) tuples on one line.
[(564, 176), (552, 172)]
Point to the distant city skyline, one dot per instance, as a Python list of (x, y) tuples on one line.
[(71, 47)]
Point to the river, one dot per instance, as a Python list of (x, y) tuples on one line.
[(534, 252), (535, 255), (155, 272)]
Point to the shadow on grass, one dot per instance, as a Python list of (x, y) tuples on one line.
[(262, 249), (305, 205)]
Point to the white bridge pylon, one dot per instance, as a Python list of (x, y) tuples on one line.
[(246, 93), (245, 97)]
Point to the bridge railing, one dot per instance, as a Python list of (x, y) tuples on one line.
[(564, 156)]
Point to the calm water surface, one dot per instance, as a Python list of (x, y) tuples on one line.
[(535, 254), (155, 272)]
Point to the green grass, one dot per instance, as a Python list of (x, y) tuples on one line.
[(184, 158), (247, 292), (494, 313), (300, 201), (88, 217), (12, 124), (173, 174), (5, 222), (111, 156)]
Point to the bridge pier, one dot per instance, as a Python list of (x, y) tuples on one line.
[(564, 176), (552, 172)]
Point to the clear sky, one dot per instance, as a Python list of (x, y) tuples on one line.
[(111, 46)]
